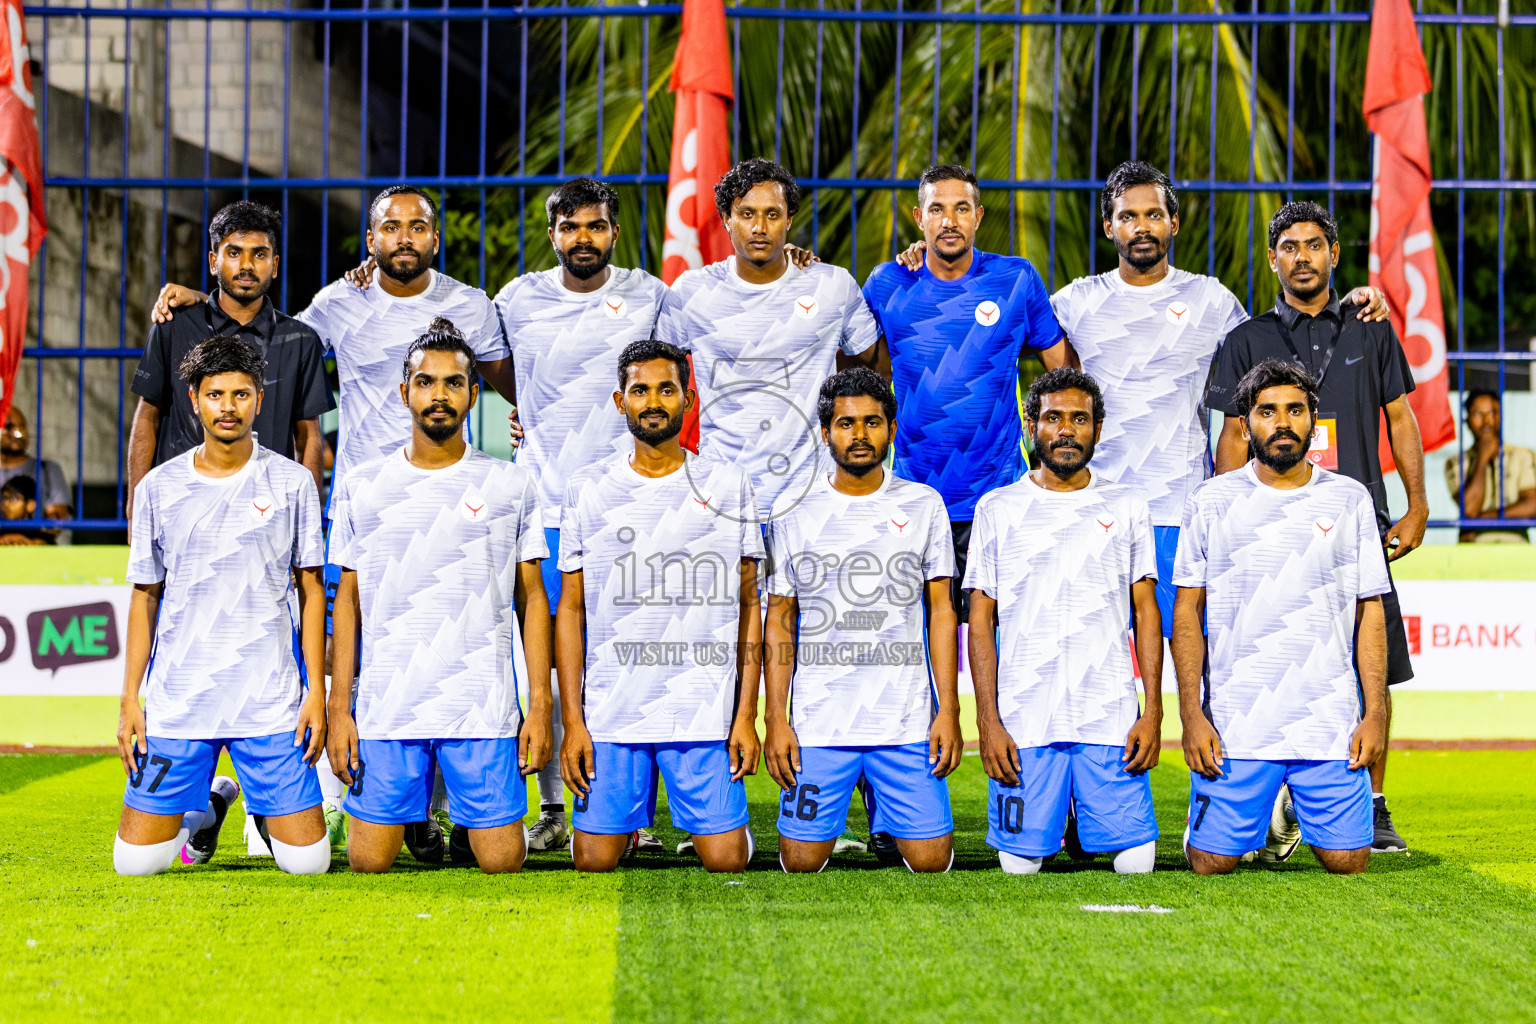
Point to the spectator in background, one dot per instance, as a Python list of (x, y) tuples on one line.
[(18, 500), (16, 462), (1492, 476)]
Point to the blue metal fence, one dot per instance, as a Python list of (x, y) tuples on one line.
[(490, 104)]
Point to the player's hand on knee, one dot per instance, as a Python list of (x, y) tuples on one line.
[(999, 754), (535, 742), (577, 766), (1202, 747), (341, 746), (1368, 741), (361, 276), (1143, 745), (912, 256), (310, 733), (744, 747), (132, 744), (944, 744), (171, 298), (781, 753)]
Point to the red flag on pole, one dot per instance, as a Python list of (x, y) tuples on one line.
[(22, 219), (701, 151), (1402, 260)]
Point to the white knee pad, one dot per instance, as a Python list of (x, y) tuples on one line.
[(946, 866), (1137, 860), (1016, 865), (128, 859), (314, 859)]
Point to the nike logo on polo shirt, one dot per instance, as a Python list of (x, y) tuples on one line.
[(1352, 362)]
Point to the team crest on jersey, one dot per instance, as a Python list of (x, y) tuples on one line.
[(899, 524), (613, 306), (805, 306), (988, 313), (700, 504), (474, 508), (1105, 524), (1177, 313), (262, 507), (1324, 527)]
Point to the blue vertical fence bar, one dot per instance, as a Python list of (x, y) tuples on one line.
[(537, 114)]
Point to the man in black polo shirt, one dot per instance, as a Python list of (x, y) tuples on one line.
[(1361, 371), (242, 256)]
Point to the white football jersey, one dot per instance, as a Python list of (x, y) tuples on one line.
[(760, 355), (225, 547), (1150, 350), (369, 331), (660, 560), (1060, 565), (1282, 572), (436, 554), (856, 566), (565, 349)]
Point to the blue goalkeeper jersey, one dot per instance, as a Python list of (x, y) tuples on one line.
[(955, 348)]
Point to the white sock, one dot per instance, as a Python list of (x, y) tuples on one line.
[(332, 789), (1377, 796), (314, 859), (1137, 860), (128, 859), (551, 785), (439, 791), (194, 822), (1016, 865)]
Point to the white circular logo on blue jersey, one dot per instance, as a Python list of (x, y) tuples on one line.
[(987, 313)]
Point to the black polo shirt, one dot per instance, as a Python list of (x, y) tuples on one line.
[(1367, 370), (294, 389)]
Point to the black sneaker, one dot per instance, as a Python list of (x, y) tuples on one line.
[(425, 841), (459, 850), (883, 846), (1070, 842), (1387, 840), (200, 846)]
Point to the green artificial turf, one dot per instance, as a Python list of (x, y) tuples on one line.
[(1444, 934)]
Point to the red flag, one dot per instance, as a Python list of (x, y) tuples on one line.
[(1402, 261), (701, 151), (23, 221)]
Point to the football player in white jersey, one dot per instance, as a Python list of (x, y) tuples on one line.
[(566, 327), (1148, 332), (764, 333), (1059, 562), (440, 546), (659, 639), (860, 575), (225, 538), (1282, 562)]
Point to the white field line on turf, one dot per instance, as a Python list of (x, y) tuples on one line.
[(1125, 908)]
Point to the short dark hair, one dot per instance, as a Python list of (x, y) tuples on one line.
[(948, 172), (402, 190), (244, 215), (745, 176), (1304, 212), (1474, 395), (440, 336), (578, 192), (1273, 373), (222, 353), (1128, 176), (22, 485), (854, 382), (1063, 378), (647, 349)]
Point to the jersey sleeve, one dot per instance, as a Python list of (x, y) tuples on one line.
[(1396, 371), (1143, 543), (1061, 306), (314, 395), (146, 560), (939, 550), (316, 317), (860, 331), (1189, 563), (672, 320), (1233, 359), (781, 575), (1371, 558), (308, 540), (531, 545), (874, 299), (1041, 329), (342, 536), (981, 559), (570, 529), (1232, 312), (485, 335), (153, 379)]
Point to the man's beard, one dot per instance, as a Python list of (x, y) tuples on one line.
[(439, 432), (858, 468), (237, 289), (951, 250), (1143, 262), (1305, 293), (659, 435), (584, 271), (389, 269), (1278, 461), (1060, 469)]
